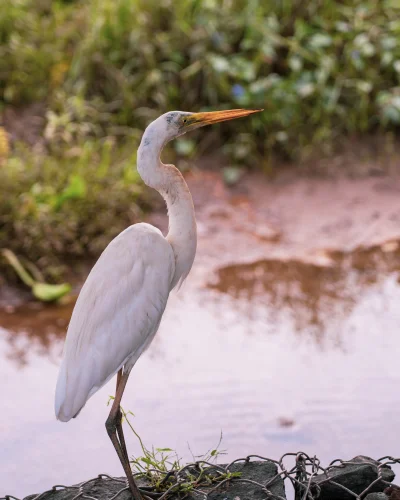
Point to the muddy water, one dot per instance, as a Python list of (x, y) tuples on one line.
[(282, 343)]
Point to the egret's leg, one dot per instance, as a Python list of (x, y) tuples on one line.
[(119, 423), (111, 426)]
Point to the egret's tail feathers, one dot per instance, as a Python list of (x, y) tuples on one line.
[(73, 391), (60, 395), (69, 399)]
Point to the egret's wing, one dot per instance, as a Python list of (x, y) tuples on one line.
[(116, 315)]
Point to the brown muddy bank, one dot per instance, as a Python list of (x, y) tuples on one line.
[(265, 224), (288, 217)]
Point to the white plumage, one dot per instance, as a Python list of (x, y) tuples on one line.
[(116, 316)]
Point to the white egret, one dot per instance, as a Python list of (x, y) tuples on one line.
[(120, 306)]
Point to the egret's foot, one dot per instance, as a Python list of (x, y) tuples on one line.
[(113, 424), (114, 430), (136, 495)]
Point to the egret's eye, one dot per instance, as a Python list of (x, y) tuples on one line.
[(184, 120)]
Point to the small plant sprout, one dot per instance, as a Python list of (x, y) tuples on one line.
[(164, 473)]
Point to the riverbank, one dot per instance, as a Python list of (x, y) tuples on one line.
[(286, 217)]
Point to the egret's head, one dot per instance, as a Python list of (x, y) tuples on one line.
[(175, 123), (179, 122), (171, 125)]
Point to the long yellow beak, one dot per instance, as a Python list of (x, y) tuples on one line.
[(201, 119)]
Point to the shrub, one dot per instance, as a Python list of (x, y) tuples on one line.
[(54, 210), (320, 69)]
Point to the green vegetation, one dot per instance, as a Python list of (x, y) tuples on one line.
[(56, 209), (167, 476), (104, 68), (40, 290)]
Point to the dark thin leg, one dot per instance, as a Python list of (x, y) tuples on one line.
[(113, 425), (119, 423)]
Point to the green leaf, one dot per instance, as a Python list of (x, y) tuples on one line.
[(41, 291), (76, 189), (50, 293), (14, 262)]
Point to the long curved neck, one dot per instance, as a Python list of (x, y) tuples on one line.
[(169, 182)]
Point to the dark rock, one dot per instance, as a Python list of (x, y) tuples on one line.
[(260, 472), (355, 476), (377, 496), (100, 488), (104, 488)]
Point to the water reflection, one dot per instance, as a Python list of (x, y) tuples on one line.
[(312, 294), (225, 358), (34, 329)]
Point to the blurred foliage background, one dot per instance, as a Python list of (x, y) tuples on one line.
[(80, 80)]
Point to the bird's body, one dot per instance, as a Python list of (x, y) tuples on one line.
[(126, 294), (121, 304)]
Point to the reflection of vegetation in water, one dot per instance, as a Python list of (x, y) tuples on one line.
[(37, 329), (314, 295)]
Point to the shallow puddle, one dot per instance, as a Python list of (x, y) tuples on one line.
[(278, 355)]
